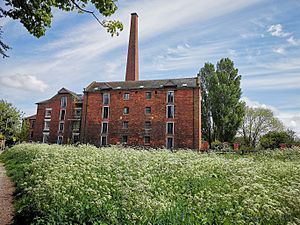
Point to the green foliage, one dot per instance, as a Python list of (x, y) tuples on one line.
[(36, 16), (24, 134), (257, 122), (221, 104), (10, 121), (273, 139), (86, 185)]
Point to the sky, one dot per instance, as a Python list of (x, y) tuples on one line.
[(176, 39)]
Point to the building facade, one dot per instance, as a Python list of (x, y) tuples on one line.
[(153, 113)]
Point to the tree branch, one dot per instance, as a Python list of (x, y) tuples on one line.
[(87, 11)]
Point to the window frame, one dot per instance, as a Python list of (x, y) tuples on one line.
[(167, 142), (103, 110), (103, 100), (102, 126), (126, 96), (173, 97), (167, 114), (147, 127), (46, 134), (147, 113), (167, 128), (124, 110), (148, 95), (58, 138), (147, 143), (122, 139), (60, 114), (63, 126), (65, 102), (125, 122), (101, 140), (46, 121), (48, 110)]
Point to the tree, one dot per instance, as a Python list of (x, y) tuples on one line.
[(257, 122), (273, 139), (37, 15), (10, 121), (24, 133), (222, 108)]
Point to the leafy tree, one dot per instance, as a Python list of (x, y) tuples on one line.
[(37, 15), (10, 121), (24, 133), (257, 122), (273, 139), (222, 108)]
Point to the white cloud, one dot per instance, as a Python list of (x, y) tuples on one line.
[(293, 41), (279, 50), (277, 31), (23, 82)]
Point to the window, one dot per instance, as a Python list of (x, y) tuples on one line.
[(76, 125), (31, 134), (45, 137), (104, 128), (77, 113), (170, 128), (148, 110), (170, 111), (170, 143), (47, 125), (147, 140), (61, 126), (63, 102), (103, 140), (62, 114), (75, 138), (33, 124), (105, 112), (48, 113), (59, 140), (124, 139), (126, 96), (106, 99), (147, 125), (170, 98), (125, 124), (126, 110), (148, 95)]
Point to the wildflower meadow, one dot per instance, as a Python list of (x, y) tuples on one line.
[(114, 185)]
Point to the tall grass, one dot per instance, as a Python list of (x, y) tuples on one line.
[(87, 185)]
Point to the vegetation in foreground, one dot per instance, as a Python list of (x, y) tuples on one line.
[(87, 185)]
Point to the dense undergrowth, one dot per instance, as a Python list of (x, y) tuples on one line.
[(87, 185)]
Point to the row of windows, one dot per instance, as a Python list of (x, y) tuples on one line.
[(62, 113), (75, 125), (46, 137), (147, 140), (170, 111), (126, 96), (125, 125)]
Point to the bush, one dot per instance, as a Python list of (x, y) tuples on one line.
[(87, 185)]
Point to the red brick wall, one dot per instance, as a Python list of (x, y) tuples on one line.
[(54, 103), (186, 122)]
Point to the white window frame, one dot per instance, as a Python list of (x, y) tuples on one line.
[(62, 139), (168, 97), (106, 128), (44, 134), (73, 122), (46, 120), (124, 110), (101, 143), (59, 130), (60, 113), (173, 130), (126, 96), (48, 110), (173, 141), (61, 102), (103, 112), (106, 94), (75, 110), (167, 111)]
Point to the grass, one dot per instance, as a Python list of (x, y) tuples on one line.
[(87, 185)]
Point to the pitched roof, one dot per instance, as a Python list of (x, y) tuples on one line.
[(146, 84), (78, 97), (33, 117)]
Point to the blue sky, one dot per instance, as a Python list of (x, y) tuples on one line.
[(176, 38)]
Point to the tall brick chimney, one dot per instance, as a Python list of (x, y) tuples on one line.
[(132, 68)]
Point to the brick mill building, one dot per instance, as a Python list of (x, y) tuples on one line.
[(154, 113)]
